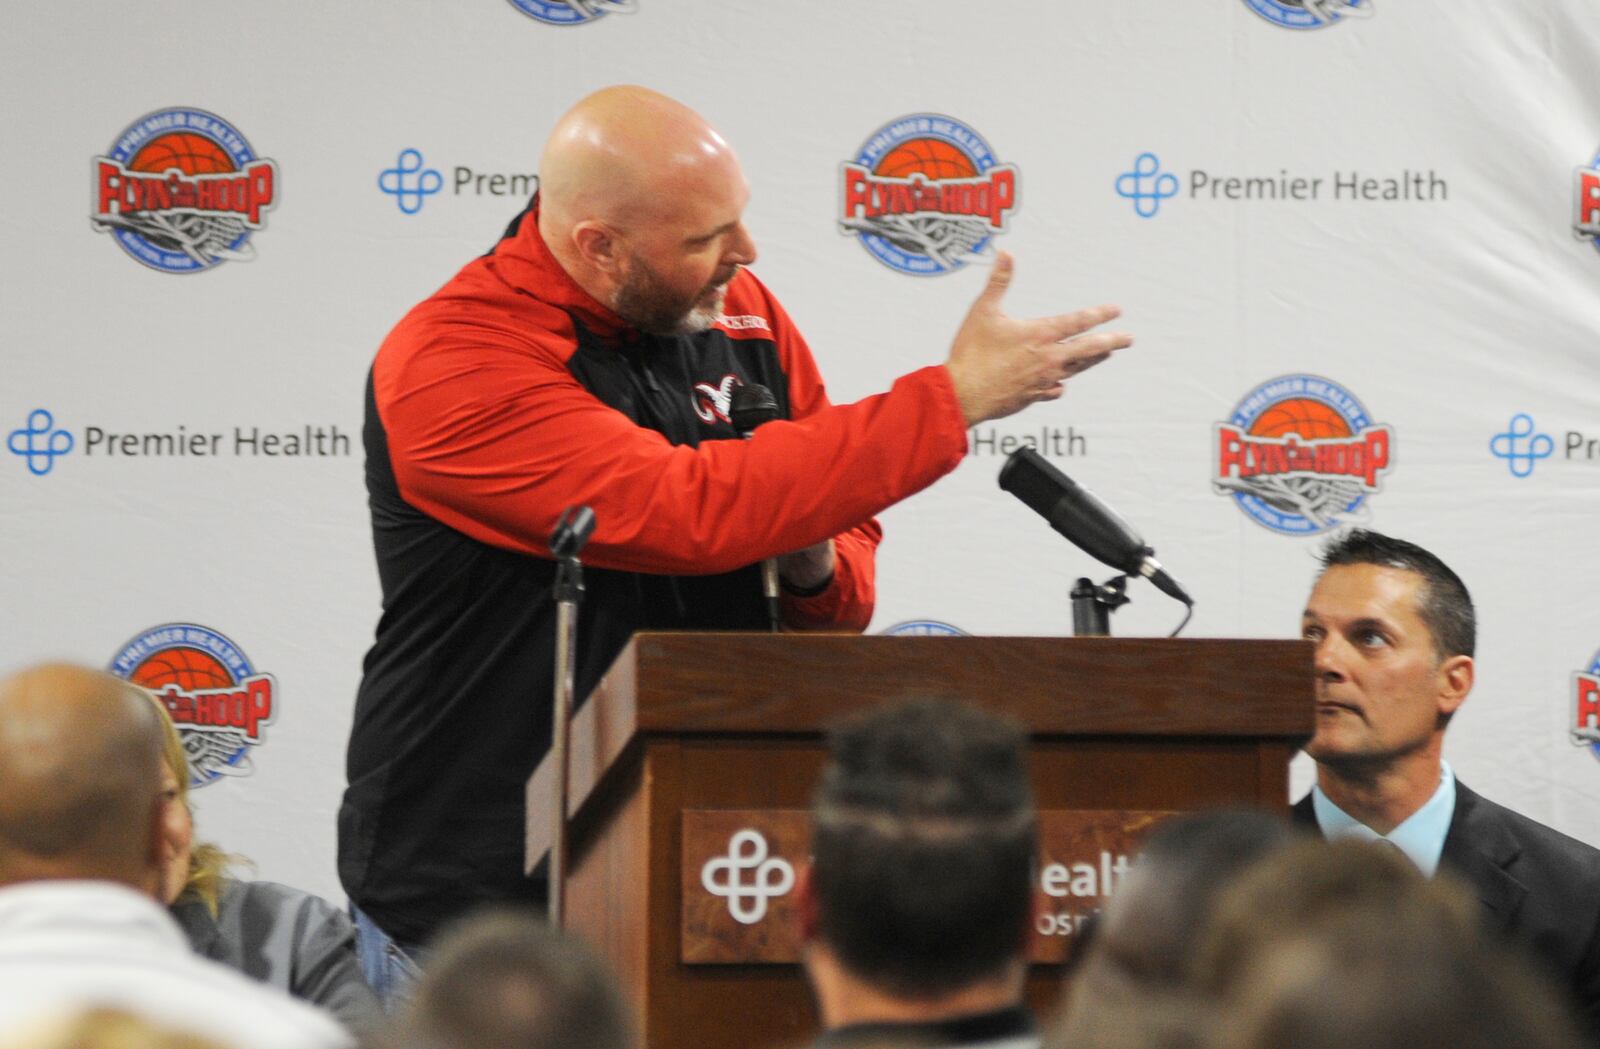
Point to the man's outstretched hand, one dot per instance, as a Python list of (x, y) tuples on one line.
[(1000, 365)]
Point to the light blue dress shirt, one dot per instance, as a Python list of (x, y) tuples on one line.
[(1420, 837)]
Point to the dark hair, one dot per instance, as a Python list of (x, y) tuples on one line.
[(1312, 884), (1381, 977), (1152, 927), (505, 979), (924, 834), (1443, 602)]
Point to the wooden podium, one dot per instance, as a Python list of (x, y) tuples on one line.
[(686, 724)]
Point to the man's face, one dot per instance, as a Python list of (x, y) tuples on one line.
[(1381, 689), (677, 265)]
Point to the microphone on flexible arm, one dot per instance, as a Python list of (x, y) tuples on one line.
[(1093, 526), (750, 405)]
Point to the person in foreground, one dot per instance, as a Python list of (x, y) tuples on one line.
[(279, 935), (1132, 980), (506, 979), (1395, 631), (916, 909), (81, 867), (1332, 945), (590, 358)]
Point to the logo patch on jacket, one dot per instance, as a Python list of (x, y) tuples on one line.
[(711, 402)]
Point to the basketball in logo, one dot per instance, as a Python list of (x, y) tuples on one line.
[(925, 195), (217, 700), (572, 12), (1301, 456), (181, 191)]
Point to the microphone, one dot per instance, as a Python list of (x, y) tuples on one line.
[(572, 531), (750, 405), (1076, 513)]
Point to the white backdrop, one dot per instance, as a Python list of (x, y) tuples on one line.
[(1445, 315)]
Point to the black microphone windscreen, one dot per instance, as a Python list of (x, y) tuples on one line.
[(751, 405), (1073, 511)]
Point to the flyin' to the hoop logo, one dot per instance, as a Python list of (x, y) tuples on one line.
[(1586, 713), (1300, 455), (1586, 202), (1309, 14), (573, 12), (182, 191), (216, 698), (925, 194)]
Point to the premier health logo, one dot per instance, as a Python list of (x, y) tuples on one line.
[(40, 442), (409, 182), (1147, 185), (1521, 446)]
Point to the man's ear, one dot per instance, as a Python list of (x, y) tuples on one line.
[(807, 910), (599, 245), (1456, 676)]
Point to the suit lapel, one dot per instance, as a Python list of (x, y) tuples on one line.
[(1481, 849)]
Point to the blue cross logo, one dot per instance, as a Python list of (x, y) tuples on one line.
[(409, 182), (1520, 447), (40, 442), (1147, 185)]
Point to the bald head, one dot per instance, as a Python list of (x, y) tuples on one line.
[(642, 203), (625, 155), (80, 777)]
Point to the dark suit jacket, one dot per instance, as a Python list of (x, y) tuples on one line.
[(1538, 887)]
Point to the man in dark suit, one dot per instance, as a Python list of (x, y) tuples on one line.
[(1394, 630)]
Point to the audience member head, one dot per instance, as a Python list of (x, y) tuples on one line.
[(188, 869), (642, 202), (1300, 889), (80, 779), (1380, 977), (505, 979), (1130, 984), (1151, 926), (924, 839)]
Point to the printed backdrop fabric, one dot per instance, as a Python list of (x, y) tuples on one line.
[(1356, 241)]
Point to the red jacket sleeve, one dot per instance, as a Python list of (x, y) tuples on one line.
[(491, 434)]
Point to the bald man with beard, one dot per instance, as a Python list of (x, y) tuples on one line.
[(81, 811), (590, 358)]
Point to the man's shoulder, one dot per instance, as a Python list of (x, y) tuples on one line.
[(173, 989), (1484, 823)]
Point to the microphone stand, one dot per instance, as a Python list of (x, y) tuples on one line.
[(751, 405), (1092, 605), (572, 531)]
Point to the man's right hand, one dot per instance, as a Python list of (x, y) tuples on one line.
[(1000, 365)]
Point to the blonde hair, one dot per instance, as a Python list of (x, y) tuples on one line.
[(208, 864)]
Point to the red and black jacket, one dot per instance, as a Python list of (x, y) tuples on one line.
[(507, 396)]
